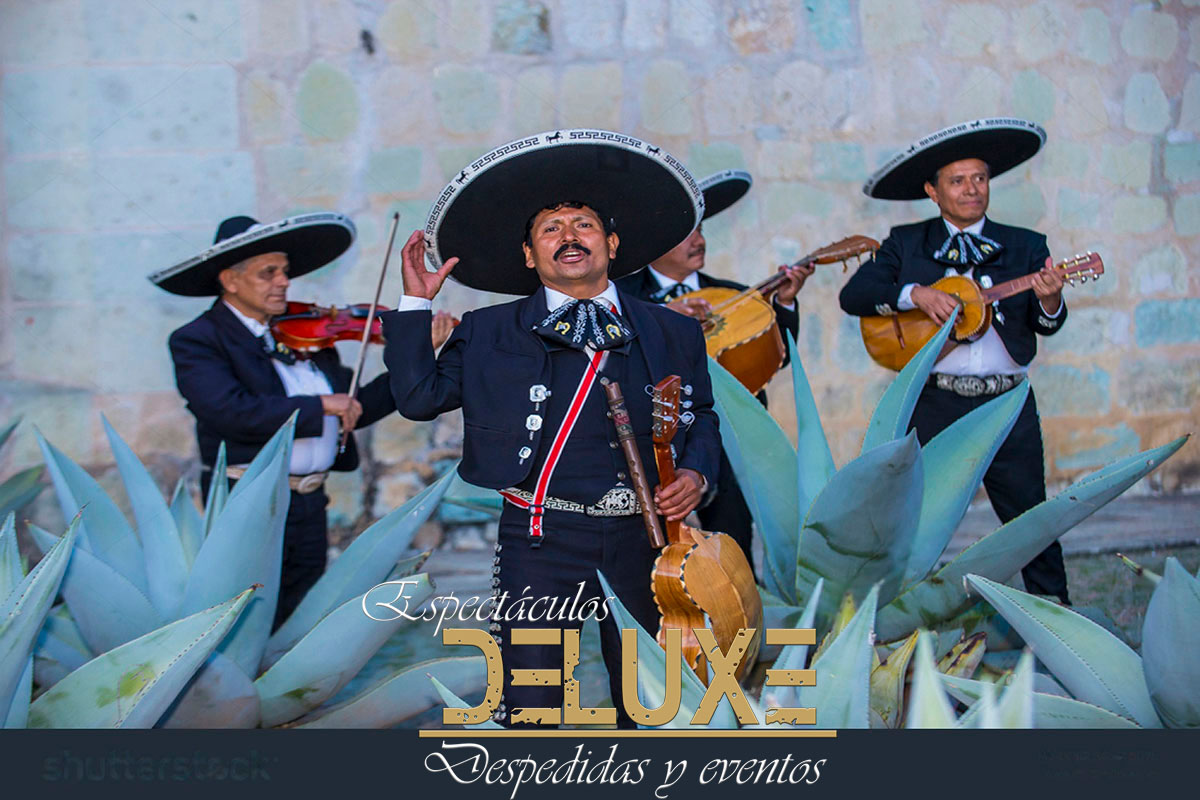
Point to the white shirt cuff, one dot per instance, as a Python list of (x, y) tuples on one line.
[(904, 301), (409, 303), (1057, 311), (788, 306)]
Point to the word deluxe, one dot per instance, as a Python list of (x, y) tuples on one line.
[(723, 683)]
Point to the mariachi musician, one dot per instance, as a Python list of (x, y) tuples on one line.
[(241, 385), (553, 217), (672, 276), (953, 168)]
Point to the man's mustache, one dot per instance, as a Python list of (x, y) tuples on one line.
[(571, 246)]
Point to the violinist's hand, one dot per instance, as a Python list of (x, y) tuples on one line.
[(678, 499), (443, 325), (796, 276), (696, 307), (418, 281), (344, 406), (936, 304)]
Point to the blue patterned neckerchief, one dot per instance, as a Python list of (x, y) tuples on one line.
[(965, 250), (585, 323), (668, 293)]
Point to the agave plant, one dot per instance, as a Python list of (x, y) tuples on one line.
[(886, 517), (18, 491), (121, 585)]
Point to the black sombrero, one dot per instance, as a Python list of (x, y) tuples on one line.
[(1003, 142), (310, 240), (480, 216), (723, 189)]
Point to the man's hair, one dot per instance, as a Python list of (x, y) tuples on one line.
[(933, 179), (605, 220), (238, 267)]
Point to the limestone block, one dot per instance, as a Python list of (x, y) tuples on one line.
[(278, 29), (1187, 214), (1078, 209), (1091, 448), (1137, 214), (891, 25), (396, 169), (265, 107), (338, 29), (694, 22), (466, 30), (729, 103), (831, 24), (1181, 162), (310, 171), (1146, 106), (153, 424), (327, 103), (1163, 270), (1085, 109), (591, 96), (47, 110), (1017, 203), (1194, 39), (1039, 31), (1093, 39), (467, 100), (1150, 34), (785, 200), (975, 29), (61, 413), (407, 31), (982, 94), (167, 30), (645, 26), (666, 98), (806, 98), (705, 159), (1167, 322), (403, 109), (1064, 159), (49, 31), (178, 189), (849, 352), (839, 161), (148, 108), (535, 106), (589, 26), (1090, 330), (1033, 96), (521, 27), (1127, 165), (1063, 390), (1189, 110), (765, 27), (452, 160), (1154, 384)]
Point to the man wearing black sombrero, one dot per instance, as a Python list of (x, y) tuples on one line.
[(554, 217), (953, 168), (677, 273), (241, 385)]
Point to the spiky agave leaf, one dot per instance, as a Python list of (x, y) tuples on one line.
[(843, 689), (1000, 554), (964, 656), (927, 703), (131, 686), (11, 574), (218, 489), (1090, 662), (219, 695), (1049, 710), (1149, 576), (454, 701), (18, 490), (814, 462), (188, 521), (1171, 647), (887, 686)]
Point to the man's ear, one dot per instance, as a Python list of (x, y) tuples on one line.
[(225, 278), (528, 255), (931, 192), (613, 242)]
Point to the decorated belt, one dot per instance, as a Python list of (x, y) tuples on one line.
[(620, 501), (975, 385), (300, 484)]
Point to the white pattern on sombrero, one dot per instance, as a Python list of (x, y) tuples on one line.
[(310, 241), (723, 189), (1003, 142), (480, 216)]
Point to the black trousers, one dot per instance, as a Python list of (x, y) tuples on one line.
[(1015, 481), (305, 545), (575, 546), (727, 512)]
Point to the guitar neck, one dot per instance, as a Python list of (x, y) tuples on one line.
[(1009, 288), (771, 285), (665, 463)]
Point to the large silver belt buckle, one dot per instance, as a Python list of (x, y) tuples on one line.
[(969, 386), (620, 501), (307, 484)]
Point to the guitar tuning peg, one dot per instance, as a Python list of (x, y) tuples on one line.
[(1071, 281), (1083, 278)]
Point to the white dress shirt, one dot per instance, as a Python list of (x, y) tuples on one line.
[(309, 453)]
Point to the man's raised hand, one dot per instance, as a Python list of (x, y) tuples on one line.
[(418, 281)]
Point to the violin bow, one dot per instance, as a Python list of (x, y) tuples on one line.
[(362, 350)]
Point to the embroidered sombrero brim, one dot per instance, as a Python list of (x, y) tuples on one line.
[(310, 241), (1002, 142), (723, 189), (480, 216)]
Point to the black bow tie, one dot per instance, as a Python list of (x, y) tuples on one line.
[(279, 351), (668, 293), (964, 250), (585, 323)]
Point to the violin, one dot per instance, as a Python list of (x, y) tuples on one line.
[(308, 327)]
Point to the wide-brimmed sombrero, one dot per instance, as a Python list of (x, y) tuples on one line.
[(723, 189), (480, 217), (310, 241), (1003, 142)]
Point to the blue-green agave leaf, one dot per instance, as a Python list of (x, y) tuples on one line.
[(19, 490), (108, 610), (1015, 708), (282, 439), (454, 701), (18, 711), (814, 462), (1000, 554), (54, 659), (859, 529), (794, 656), (1090, 662), (652, 672), (843, 690), (928, 706), (895, 408), (245, 547), (23, 612), (166, 565), (188, 521), (403, 696), (131, 686), (219, 695), (366, 562), (955, 462), (1049, 710), (104, 531), (765, 464), (1171, 647), (218, 490), (7, 431), (325, 660), (11, 569)]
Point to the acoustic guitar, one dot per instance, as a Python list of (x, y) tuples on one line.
[(742, 333), (893, 340)]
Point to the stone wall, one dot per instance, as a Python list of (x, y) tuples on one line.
[(131, 128)]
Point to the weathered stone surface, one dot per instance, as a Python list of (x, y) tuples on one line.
[(1167, 322), (983, 94), (1187, 214), (972, 30), (403, 106), (407, 31), (729, 104), (1181, 162), (831, 24), (297, 173), (1084, 106), (1064, 160), (1194, 39), (1151, 384), (1138, 214), (1149, 34), (785, 200), (1017, 203), (694, 22), (451, 160), (466, 28), (1146, 106), (666, 98), (1163, 270), (1069, 391), (167, 30), (762, 28), (396, 169), (839, 161), (62, 413), (1189, 109), (278, 30), (327, 103), (1127, 165), (25, 36), (1043, 31), (265, 107), (1093, 39), (521, 27), (1078, 209), (1033, 96), (535, 106), (645, 26), (889, 25), (591, 96), (850, 352), (1090, 330), (590, 26), (468, 100), (703, 160), (1095, 447)]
